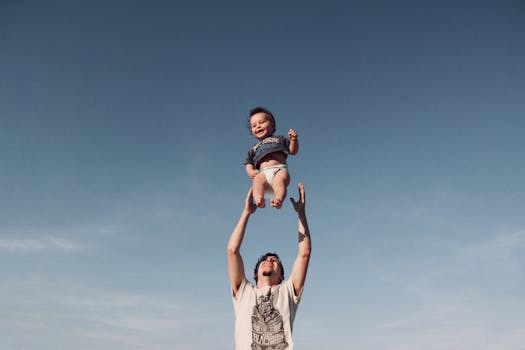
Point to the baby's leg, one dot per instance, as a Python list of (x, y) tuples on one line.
[(259, 186), (279, 184)]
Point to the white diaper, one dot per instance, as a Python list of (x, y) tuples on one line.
[(269, 173)]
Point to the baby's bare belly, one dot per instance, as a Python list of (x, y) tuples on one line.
[(272, 159)]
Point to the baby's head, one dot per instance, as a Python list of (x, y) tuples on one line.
[(260, 114)]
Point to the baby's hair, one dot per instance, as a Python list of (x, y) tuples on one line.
[(260, 109)]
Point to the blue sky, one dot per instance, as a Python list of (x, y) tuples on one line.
[(123, 130)]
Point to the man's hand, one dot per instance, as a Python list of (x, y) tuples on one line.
[(249, 205), (299, 205), (300, 266)]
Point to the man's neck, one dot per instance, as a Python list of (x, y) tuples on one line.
[(266, 282)]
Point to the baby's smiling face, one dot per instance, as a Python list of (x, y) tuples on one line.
[(261, 125)]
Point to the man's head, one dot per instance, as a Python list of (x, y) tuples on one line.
[(269, 265)]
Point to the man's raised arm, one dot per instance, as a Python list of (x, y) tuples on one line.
[(235, 263), (300, 267)]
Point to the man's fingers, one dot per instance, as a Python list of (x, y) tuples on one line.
[(249, 196), (302, 195)]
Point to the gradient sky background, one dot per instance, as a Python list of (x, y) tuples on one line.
[(123, 130)]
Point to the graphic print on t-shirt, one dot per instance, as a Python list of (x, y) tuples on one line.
[(267, 325)]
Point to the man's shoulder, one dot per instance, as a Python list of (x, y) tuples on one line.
[(243, 288)]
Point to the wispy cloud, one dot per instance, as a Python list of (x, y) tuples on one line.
[(110, 300), (64, 245), (64, 240), (104, 319), (37, 245), (461, 301), (22, 245), (502, 244), (142, 323), (457, 322)]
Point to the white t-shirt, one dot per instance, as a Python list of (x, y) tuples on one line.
[(264, 316)]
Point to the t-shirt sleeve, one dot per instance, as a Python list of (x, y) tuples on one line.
[(242, 289), (240, 298), (249, 158), (286, 141), (291, 292)]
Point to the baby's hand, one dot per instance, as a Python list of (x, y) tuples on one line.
[(253, 174), (292, 134)]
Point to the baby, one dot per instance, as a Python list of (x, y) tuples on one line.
[(266, 160)]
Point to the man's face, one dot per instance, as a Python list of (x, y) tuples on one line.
[(270, 268)]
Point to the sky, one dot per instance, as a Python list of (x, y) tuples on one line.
[(123, 133)]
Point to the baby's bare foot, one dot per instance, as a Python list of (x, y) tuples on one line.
[(276, 203), (259, 202)]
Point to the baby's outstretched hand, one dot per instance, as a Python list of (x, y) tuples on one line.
[(292, 134)]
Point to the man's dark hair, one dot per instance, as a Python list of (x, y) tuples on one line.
[(264, 257), (260, 109)]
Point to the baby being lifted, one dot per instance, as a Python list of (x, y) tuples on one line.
[(266, 160)]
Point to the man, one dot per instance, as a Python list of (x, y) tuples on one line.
[(264, 313)]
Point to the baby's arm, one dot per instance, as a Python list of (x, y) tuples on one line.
[(294, 142), (251, 171)]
